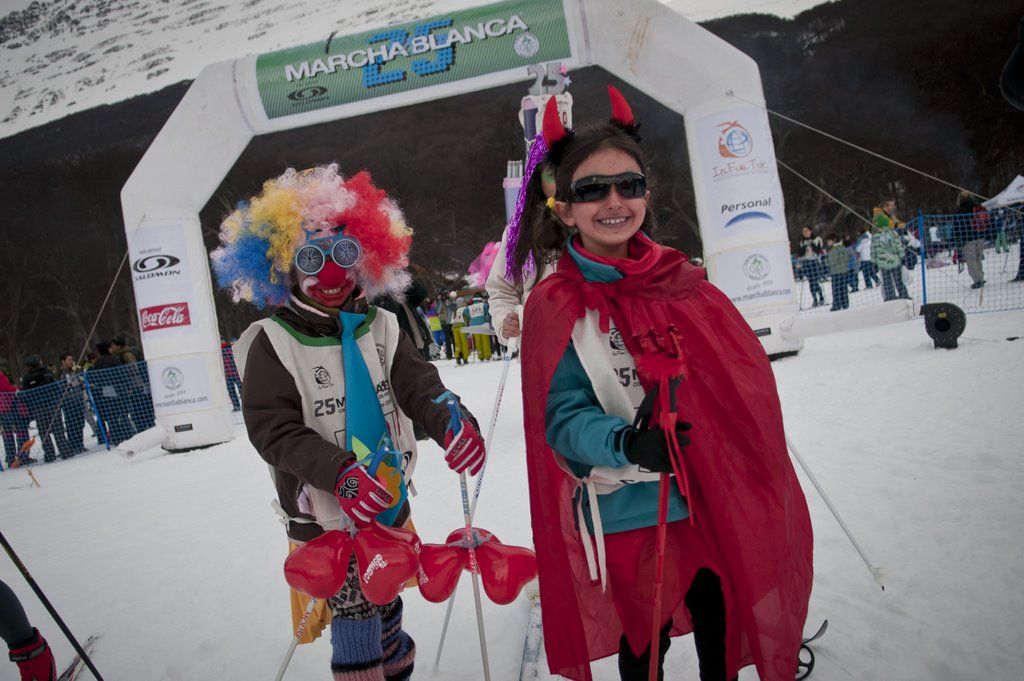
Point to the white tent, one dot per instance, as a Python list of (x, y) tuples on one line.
[(1014, 193)]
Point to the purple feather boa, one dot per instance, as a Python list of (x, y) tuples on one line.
[(538, 151)]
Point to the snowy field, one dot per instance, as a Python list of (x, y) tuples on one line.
[(176, 559)]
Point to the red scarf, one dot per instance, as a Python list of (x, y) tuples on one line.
[(744, 494)]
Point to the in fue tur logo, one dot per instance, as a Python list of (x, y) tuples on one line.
[(734, 141)]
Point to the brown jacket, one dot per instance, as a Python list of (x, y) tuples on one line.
[(272, 408)]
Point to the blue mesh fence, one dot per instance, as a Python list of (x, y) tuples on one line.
[(974, 260), (81, 412), (939, 258), (231, 375)]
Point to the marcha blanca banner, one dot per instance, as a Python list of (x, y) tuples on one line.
[(413, 55)]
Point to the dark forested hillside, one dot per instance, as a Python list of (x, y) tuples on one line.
[(912, 79)]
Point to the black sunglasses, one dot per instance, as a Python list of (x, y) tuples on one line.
[(596, 187)]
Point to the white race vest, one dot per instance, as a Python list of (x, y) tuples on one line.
[(315, 364), (612, 372)]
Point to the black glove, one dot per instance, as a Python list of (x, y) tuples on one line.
[(649, 450)]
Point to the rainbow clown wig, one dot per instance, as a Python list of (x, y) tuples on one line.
[(259, 239)]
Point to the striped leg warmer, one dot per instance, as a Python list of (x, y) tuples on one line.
[(399, 651), (357, 650)]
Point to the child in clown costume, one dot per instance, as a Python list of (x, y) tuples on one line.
[(625, 346), (329, 381)]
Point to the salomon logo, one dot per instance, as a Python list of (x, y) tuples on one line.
[(307, 93), (154, 262)]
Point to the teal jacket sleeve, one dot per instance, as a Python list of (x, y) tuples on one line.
[(575, 424)]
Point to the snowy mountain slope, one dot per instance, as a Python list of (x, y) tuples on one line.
[(62, 56), (177, 559)]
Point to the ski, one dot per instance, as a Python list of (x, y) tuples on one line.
[(534, 639), (805, 667), (77, 663)]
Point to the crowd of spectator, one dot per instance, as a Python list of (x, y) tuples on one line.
[(109, 391), (879, 254)]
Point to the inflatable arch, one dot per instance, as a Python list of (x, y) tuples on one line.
[(681, 65)]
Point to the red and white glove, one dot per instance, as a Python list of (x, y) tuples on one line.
[(360, 495), (464, 452)]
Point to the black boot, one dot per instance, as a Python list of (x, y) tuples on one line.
[(634, 668), (706, 604)]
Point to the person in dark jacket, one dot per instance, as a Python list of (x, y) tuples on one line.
[(110, 392), (42, 396), (409, 320), (330, 383), (974, 225), (811, 249), (13, 421), (135, 381), (72, 403)]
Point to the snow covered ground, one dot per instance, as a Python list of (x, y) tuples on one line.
[(176, 559)]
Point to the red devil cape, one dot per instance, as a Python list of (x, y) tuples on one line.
[(745, 496)]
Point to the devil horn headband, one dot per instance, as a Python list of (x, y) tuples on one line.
[(549, 147), (622, 114), (554, 131)]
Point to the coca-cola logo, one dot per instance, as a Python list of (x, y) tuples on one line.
[(164, 316)]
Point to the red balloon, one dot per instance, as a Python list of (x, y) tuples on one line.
[(441, 566), (403, 534), (386, 561), (318, 568), (505, 570), (460, 535)]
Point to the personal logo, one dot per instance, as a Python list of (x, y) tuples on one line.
[(166, 316), (615, 341), (307, 94), (172, 378), (756, 267), (322, 377), (746, 210), (526, 45), (734, 141)]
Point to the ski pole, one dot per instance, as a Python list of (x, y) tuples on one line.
[(474, 573), (659, 576), (876, 573), (506, 363), (295, 639), (46, 602), (474, 569)]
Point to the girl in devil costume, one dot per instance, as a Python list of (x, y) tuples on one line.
[(330, 382), (624, 347)]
